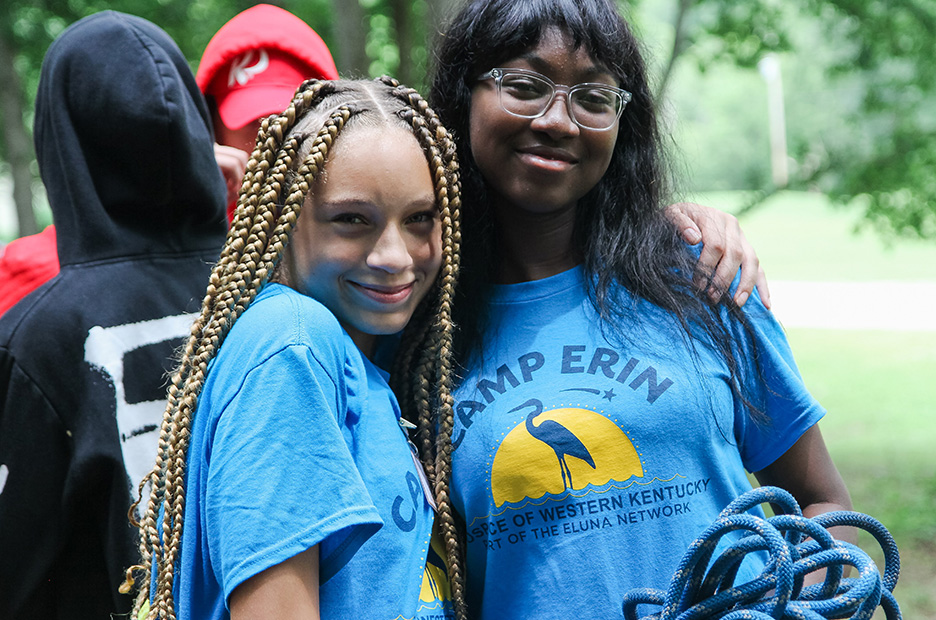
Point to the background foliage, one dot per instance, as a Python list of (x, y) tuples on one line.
[(859, 84)]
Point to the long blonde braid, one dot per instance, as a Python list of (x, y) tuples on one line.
[(427, 384), (254, 246)]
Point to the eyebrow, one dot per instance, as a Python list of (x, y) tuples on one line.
[(425, 202)]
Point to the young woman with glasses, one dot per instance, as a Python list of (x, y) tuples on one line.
[(607, 410)]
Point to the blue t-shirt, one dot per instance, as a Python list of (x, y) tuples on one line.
[(296, 442), (585, 463)]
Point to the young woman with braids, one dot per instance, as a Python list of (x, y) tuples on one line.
[(285, 485), (607, 410)]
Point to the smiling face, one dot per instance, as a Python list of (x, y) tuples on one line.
[(545, 164), (368, 244)]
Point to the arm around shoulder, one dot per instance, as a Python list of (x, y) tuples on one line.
[(725, 252)]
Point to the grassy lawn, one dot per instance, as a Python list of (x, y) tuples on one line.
[(881, 430), (878, 386), (800, 236)]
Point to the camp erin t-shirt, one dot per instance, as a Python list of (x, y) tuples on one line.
[(585, 465)]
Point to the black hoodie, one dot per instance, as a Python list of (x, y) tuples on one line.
[(124, 144)]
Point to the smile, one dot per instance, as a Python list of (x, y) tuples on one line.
[(547, 159), (385, 294)]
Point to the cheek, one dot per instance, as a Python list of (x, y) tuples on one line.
[(244, 138), (603, 152), (474, 133), (607, 145), (426, 251), (486, 125), (318, 256), (436, 258)]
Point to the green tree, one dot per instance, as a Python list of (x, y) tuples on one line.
[(27, 28), (17, 147), (877, 60), (889, 161)]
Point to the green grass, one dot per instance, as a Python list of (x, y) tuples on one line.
[(802, 236), (879, 387), (881, 431)]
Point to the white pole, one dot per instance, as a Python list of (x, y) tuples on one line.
[(769, 67)]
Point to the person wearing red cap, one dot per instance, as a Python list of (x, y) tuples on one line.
[(250, 69), (25, 264)]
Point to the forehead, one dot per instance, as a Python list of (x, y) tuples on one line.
[(357, 145), (556, 50), (381, 160)]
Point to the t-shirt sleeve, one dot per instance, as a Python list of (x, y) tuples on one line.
[(775, 386), (281, 478)]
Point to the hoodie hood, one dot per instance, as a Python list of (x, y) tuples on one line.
[(124, 143)]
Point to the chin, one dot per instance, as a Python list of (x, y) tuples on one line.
[(387, 327)]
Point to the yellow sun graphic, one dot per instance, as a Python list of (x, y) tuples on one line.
[(435, 583), (552, 451)]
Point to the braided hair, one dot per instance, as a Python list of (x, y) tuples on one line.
[(289, 156)]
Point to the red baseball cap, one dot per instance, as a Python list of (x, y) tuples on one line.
[(254, 63)]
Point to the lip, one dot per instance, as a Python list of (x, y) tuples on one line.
[(385, 294), (547, 159)]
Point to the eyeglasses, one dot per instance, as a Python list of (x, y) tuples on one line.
[(529, 94)]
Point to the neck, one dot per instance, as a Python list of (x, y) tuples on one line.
[(533, 246), (365, 342)]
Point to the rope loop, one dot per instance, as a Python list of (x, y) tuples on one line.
[(795, 546)]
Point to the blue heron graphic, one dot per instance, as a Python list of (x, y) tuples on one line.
[(563, 442)]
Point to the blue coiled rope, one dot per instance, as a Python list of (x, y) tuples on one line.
[(700, 591)]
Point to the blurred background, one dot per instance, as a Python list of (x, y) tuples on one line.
[(813, 120)]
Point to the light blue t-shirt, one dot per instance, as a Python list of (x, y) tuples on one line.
[(585, 464), (296, 442)]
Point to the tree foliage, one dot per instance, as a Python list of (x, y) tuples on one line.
[(890, 161), (877, 59)]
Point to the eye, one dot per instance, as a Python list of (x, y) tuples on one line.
[(524, 86), (349, 218), (423, 217), (596, 100)]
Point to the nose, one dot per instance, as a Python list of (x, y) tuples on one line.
[(557, 119), (390, 253)]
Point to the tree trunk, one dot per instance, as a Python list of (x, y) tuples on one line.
[(16, 140), (679, 46), (352, 39), (404, 39)]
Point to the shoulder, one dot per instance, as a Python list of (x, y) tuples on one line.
[(40, 332), (762, 325), (281, 318), (279, 296), (285, 347), (289, 314)]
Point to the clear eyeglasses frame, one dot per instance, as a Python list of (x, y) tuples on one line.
[(529, 94)]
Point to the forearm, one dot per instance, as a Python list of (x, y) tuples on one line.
[(807, 472)]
